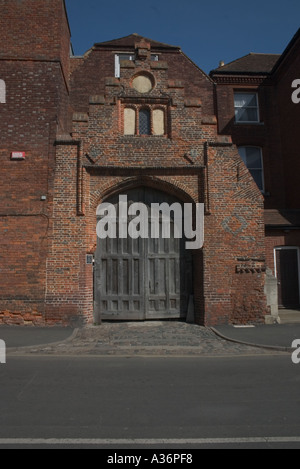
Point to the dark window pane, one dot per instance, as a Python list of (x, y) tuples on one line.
[(125, 57), (245, 100), (257, 176), (144, 122), (251, 100), (254, 160), (246, 115), (246, 107)]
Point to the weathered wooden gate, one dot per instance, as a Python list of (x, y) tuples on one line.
[(140, 279)]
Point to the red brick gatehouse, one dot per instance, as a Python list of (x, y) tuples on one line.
[(137, 118)]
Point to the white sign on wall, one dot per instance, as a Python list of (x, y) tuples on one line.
[(2, 92)]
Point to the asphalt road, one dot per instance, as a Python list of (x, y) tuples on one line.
[(135, 403)]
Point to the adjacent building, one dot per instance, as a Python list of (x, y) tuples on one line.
[(258, 105)]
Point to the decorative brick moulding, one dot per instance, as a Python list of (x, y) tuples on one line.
[(250, 268)]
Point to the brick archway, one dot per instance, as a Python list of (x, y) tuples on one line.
[(138, 279), (179, 189)]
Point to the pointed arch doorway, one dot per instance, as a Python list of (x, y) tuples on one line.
[(142, 279)]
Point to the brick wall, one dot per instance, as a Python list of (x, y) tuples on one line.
[(191, 161), (69, 295), (45, 277), (34, 67), (275, 134), (265, 134), (234, 259), (35, 30)]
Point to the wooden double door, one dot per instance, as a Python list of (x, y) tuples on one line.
[(142, 279)]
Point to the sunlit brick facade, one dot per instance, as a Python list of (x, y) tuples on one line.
[(132, 117)]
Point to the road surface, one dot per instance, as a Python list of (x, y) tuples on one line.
[(137, 402)]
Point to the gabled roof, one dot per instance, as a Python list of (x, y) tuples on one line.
[(131, 40), (258, 64)]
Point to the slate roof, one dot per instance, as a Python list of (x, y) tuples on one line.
[(282, 218), (130, 41), (249, 64)]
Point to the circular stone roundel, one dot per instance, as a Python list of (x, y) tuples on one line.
[(142, 83)]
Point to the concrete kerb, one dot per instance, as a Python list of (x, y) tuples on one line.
[(277, 348), (50, 344), (75, 333)]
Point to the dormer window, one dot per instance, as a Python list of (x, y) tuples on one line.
[(246, 107), (122, 57)]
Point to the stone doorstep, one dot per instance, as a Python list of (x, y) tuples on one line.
[(289, 316)]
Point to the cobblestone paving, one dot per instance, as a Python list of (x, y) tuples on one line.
[(145, 339)]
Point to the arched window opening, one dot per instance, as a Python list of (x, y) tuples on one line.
[(158, 122), (129, 121)]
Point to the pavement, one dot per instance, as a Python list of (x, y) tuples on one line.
[(155, 338)]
